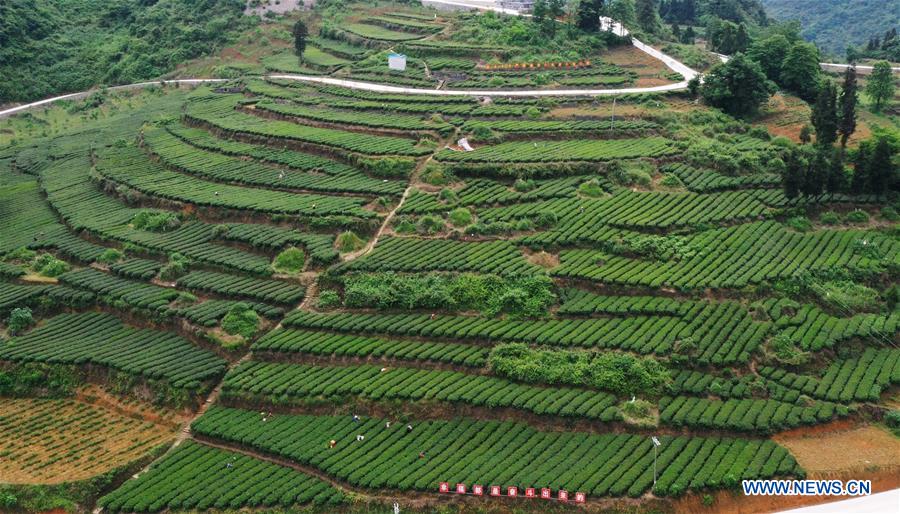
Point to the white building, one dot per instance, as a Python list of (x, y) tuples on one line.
[(397, 62)]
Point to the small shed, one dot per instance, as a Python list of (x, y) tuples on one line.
[(397, 62)]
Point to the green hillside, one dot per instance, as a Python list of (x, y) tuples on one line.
[(835, 24)]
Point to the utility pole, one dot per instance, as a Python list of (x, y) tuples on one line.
[(613, 120), (656, 445)]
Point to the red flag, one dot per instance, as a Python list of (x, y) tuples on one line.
[(512, 492), (529, 492), (460, 488), (478, 490), (563, 496), (444, 487), (545, 493), (495, 490), (580, 498)]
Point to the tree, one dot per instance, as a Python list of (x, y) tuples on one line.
[(848, 100), (741, 39), (587, 16), (688, 36), (539, 11), (20, 318), (770, 53), (676, 31), (556, 8), (800, 71), (300, 34), (824, 114), (738, 87), (859, 181), (793, 177), (836, 180), (881, 84), (881, 167), (815, 172), (647, 15), (805, 134), (622, 11)]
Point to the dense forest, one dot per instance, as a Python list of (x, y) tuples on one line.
[(836, 24), (49, 47)]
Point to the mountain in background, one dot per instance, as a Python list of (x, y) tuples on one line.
[(835, 24), (50, 46)]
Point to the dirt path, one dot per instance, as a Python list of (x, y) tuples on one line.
[(387, 220), (185, 431)]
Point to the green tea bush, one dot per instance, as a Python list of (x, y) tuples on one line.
[(620, 373), (857, 216), (156, 221), (19, 319), (290, 260), (349, 242), (49, 266), (526, 296), (241, 320), (461, 217), (110, 256)]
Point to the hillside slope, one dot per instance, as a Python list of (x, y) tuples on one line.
[(49, 47), (834, 24)]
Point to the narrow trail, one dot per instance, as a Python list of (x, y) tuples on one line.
[(390, 216), (185, 431), (410, 498)]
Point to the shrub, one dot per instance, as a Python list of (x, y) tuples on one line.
[(19, 319), (404, 226), (349, 242), (482, 132), (389, 167), (784, 350), (830, 218), (620, 373), (448, 195), (523, 185), (799, 223), (290, 260), (533, 112), (430, 225), (435, 175), (545, 219), (629, 176), (637, 409), (892, 418), (527, 296), (110, 256), (890, 214), (177, 266), (241, 320), (846, 294), (591, 188), (461, 217), (328, 299), (671, 180), (857, 216), (156, 221), (49, 266)]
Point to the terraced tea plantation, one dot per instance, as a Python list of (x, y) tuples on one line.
[(358, 298), (48, 441)]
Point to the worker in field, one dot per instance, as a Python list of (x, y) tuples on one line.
[(332, 443)]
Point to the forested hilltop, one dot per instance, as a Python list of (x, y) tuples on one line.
[(836, 24), (49, 47)]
